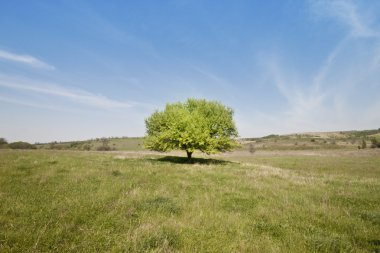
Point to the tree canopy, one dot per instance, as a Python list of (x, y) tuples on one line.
[(196, 124)]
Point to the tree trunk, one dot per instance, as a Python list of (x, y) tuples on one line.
[(189, 154)]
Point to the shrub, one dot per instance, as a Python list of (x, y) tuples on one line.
[(86, 147), (251, 148), (74, 144), (103, 148), (59, 146), (21, 145), (375, 143)]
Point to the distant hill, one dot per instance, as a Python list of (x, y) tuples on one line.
[(298, 141), (99, 144), (312, 140)]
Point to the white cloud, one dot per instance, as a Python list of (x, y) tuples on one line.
[(25, 59), (75, 95)]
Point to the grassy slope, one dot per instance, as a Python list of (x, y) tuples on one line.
[(80, 201), (123, 143), (313, 141)]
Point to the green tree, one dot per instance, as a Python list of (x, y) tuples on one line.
[(196, 124)]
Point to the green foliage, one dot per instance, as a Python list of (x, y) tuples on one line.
[(21, 145), (197, 124)]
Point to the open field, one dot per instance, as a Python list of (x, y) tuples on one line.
[(136, 202), (67, 201)]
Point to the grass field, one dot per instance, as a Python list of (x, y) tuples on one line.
[(75, 201)]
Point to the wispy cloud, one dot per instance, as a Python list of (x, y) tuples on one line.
[(22, 102), (328, 99), (325, 68), (75, 95), (25, 59), (304, 103), (347, 13)]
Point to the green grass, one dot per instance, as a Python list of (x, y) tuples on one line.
[(94, 202)]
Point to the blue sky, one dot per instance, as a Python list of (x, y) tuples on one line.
[(73, 70)]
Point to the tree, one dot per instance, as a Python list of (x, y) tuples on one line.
[(196, 124), (3, 141), (364, 144)]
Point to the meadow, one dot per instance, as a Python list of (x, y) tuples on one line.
[(269, 201)]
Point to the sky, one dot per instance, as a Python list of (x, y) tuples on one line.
[(75, 70)]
